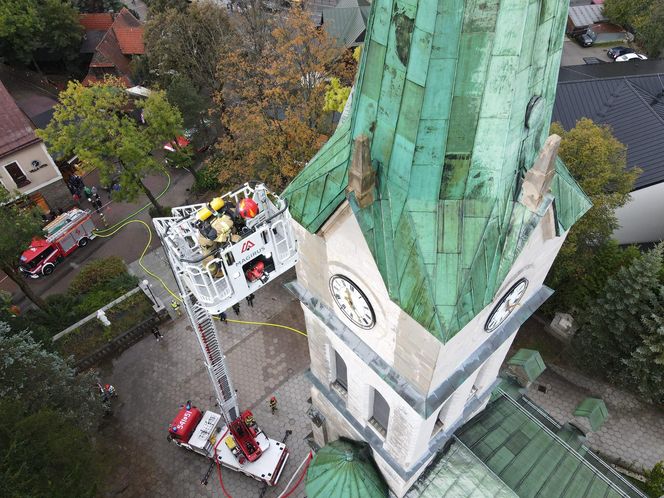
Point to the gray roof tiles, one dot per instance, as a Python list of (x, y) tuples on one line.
[(633, 105)]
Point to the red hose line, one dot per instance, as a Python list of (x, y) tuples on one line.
[(304, 473), (223, 488)]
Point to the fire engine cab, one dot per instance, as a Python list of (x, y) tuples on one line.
[(64, 234), (220, 252)]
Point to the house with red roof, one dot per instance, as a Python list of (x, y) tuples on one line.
[(26, 167), (111, 40)]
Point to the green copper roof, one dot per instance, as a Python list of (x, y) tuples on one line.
[(344, 469), (535, 462), (530, 361), (459, 474), (455, 97), (594, 410)]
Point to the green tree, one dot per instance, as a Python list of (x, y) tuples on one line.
[(44, 454), (655, 480), (598, 162), (157, 6), (18, 227), (611, 327), (649, 27), (189, 45), (29, 25), (624, 11), (93, 123), (92, 6), (49, 414), (645, 365), (39, 379), (645, 17), (192, 105)]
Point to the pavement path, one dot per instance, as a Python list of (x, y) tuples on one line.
[(154, 378), (632, 436)]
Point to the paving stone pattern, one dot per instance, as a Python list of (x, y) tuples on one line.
[(154, 378), (632, 436)]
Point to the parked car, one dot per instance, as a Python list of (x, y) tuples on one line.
[(585, 38), (618, 51), (631, 57)]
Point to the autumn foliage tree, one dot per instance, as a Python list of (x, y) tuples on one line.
[(273, 97), (598, 161)]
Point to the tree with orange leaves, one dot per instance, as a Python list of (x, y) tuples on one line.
[(273, 97)]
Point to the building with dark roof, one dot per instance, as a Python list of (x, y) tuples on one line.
[(112, 39), (26, 168), (629, 97), (347, 22)]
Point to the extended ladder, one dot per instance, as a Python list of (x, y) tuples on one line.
[(215, 361)]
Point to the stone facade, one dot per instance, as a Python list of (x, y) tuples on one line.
[(398, 356)]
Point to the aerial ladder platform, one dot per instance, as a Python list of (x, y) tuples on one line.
[(220, 253)]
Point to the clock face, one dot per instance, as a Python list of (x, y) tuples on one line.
[(352, 302), (507, 304)]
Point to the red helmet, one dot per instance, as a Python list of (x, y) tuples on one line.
[(247, 208), (255, 272)]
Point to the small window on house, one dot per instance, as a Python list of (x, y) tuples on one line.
[(381, 414), (17, 175), (341, 379)]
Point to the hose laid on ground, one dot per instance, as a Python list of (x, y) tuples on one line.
[(267, 324), (223, 488), (305, 462), (168, 185), (145, 250)]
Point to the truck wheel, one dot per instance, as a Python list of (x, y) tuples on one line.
[(48, 269), (83, 242)]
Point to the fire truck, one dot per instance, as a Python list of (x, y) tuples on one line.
[(63, 236), (221, 252)]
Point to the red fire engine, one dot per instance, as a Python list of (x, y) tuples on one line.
[(64, 234), (220, 253)]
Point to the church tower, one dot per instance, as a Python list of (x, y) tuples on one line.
[(429, 220)]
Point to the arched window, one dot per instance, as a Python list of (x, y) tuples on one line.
[(341, 372), (380, 416)]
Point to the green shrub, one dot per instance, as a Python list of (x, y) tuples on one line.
[(97, 274), (655, 480), (166, 211), (92, 301), (207, 178)]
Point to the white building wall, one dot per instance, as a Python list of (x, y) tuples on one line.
[(642, 218), (24, 157), (340, 248), (533, 263)]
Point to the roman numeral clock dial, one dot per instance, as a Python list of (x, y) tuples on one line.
[(352, 302), (508, 303)]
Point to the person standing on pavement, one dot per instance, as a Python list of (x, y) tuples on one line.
[(223, 317), (236, 308), (156, 333), (250, 300), (273, 404)]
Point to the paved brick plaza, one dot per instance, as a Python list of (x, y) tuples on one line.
[(154, 378)]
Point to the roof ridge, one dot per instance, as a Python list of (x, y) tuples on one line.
[(640, 97)]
